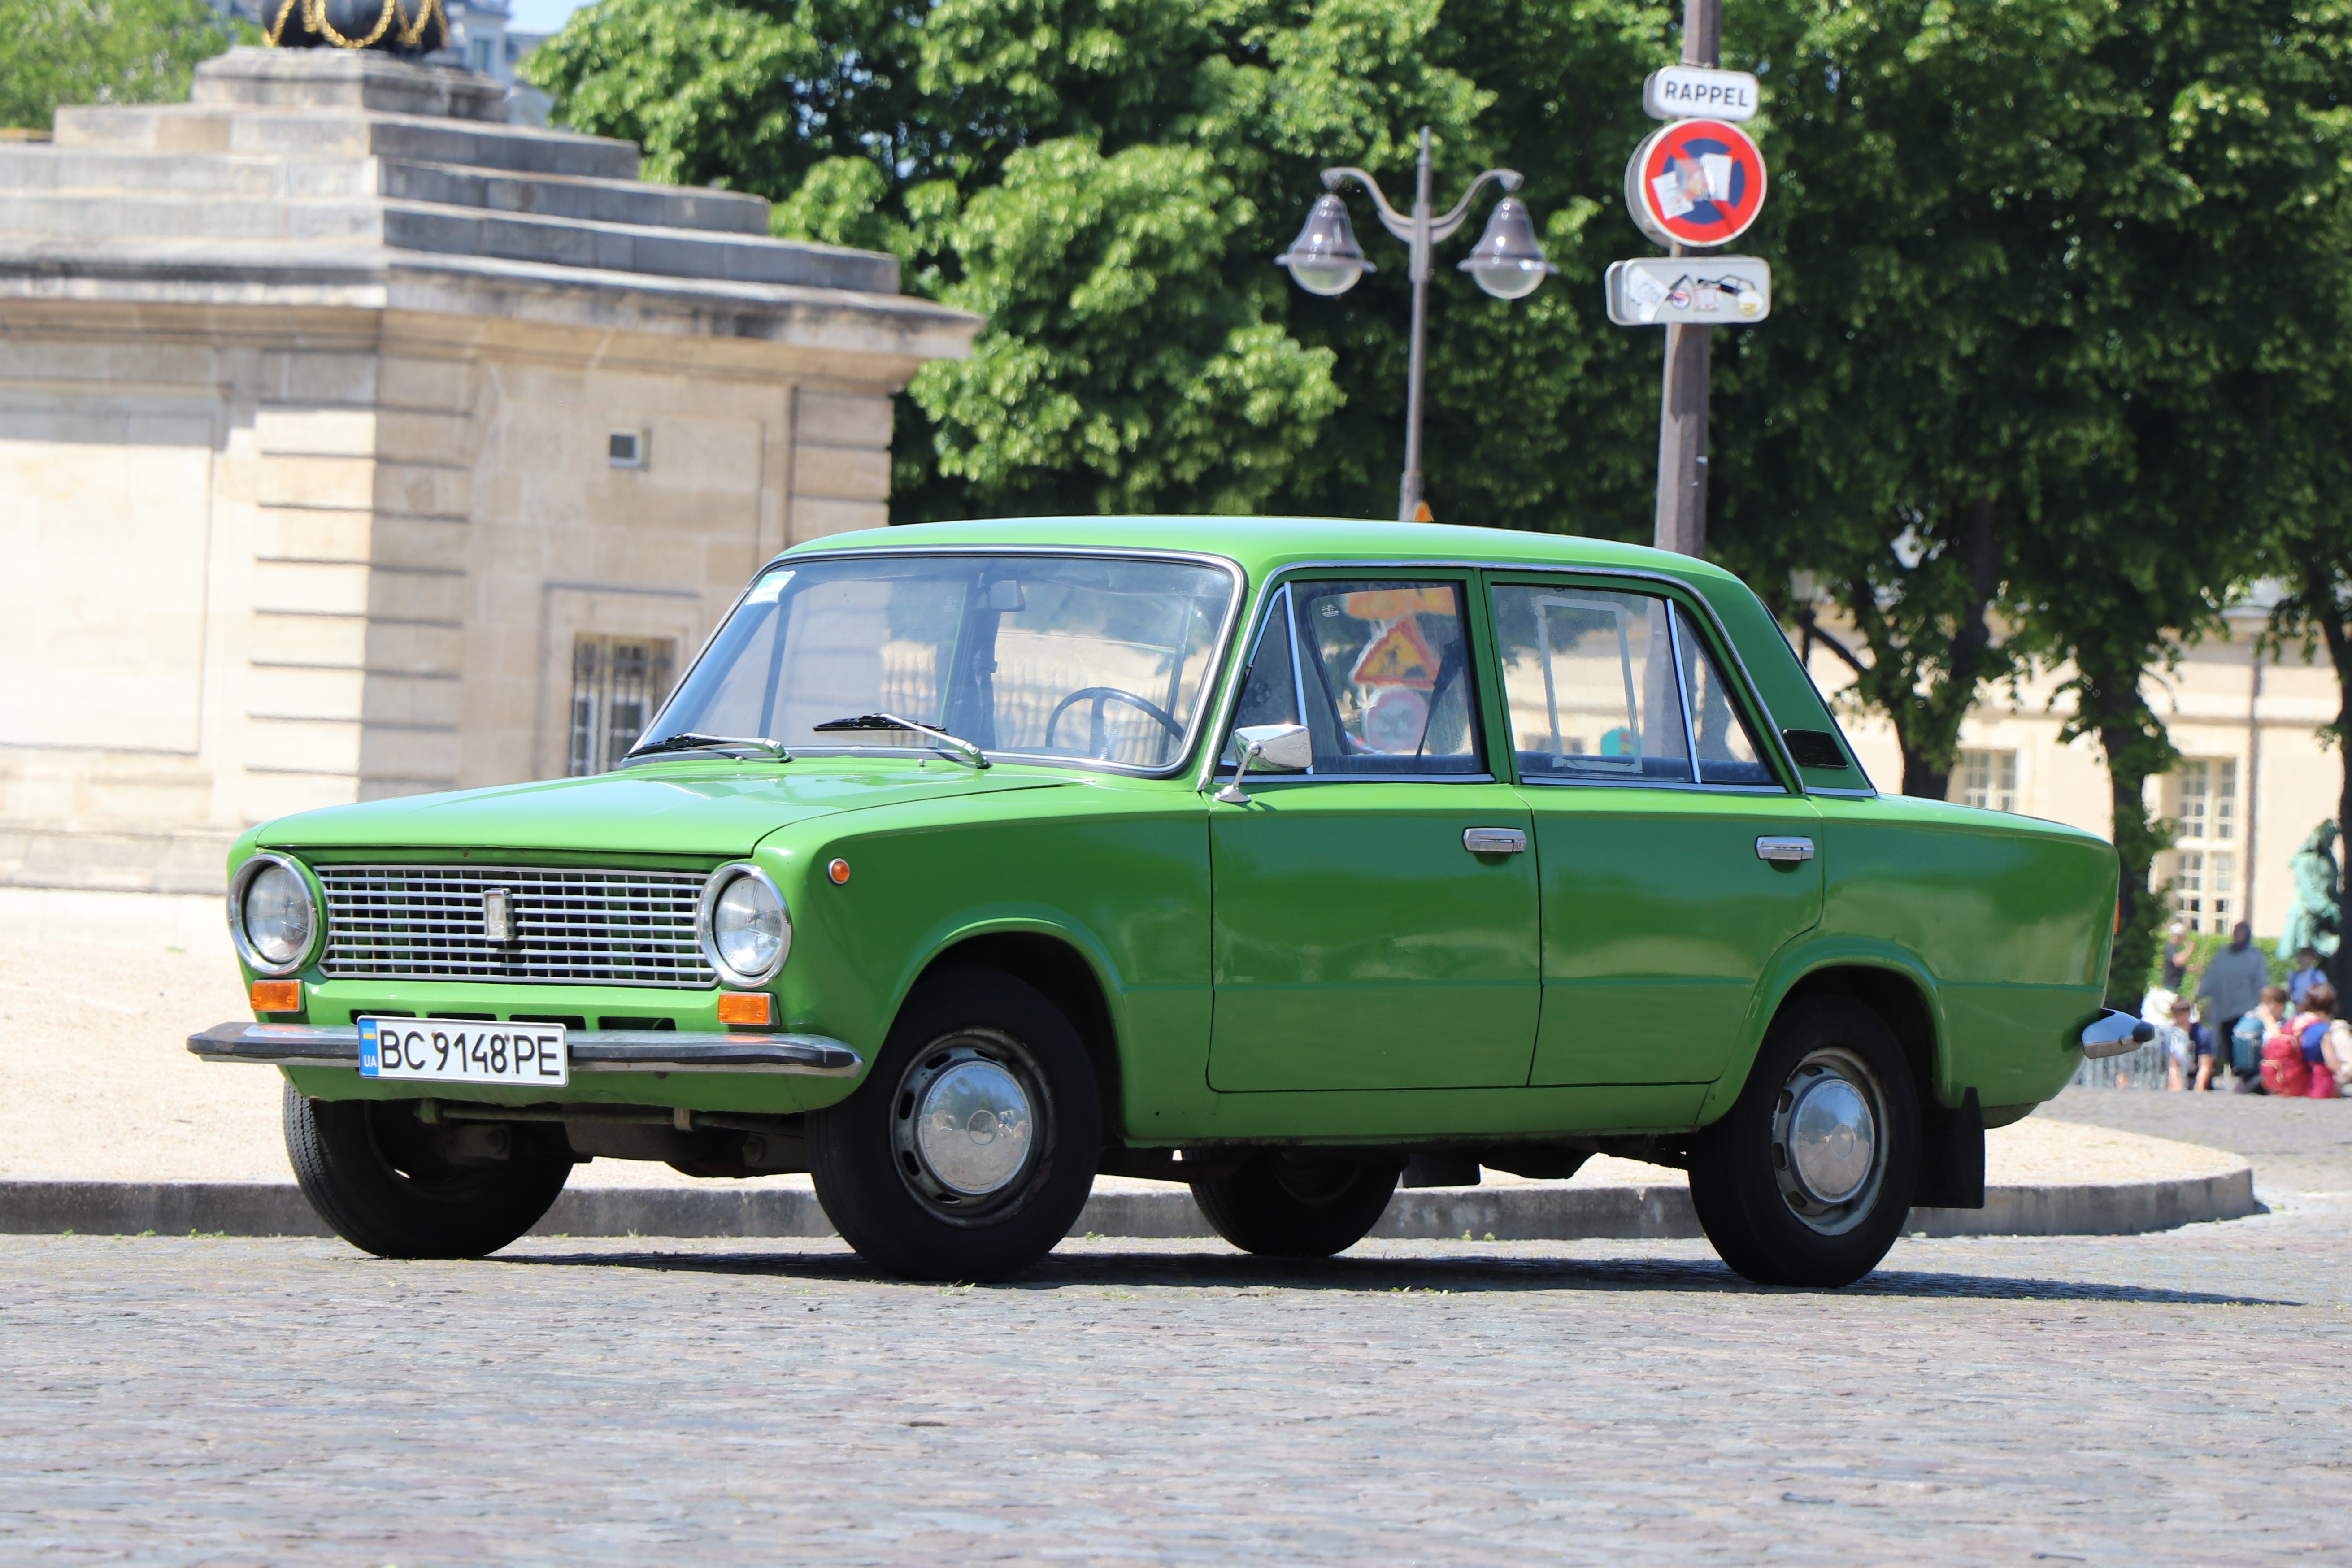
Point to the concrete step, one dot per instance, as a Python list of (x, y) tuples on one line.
[(447, 230), (84, 173), (571, 196), (185, 128), (99, 173), (622, 247)]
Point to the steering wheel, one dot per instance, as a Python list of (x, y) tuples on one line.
[(1100, 695)]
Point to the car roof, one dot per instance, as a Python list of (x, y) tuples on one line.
[(1264, 543)]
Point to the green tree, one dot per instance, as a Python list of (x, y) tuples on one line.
[(2220, 235), (54, 52)]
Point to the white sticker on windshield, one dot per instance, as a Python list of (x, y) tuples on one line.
[(768, 589)]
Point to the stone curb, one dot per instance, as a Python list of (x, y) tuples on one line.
[(1535, 1211)]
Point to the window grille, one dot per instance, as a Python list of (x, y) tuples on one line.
[(2204, 826), (1988, 779), (617, 684)]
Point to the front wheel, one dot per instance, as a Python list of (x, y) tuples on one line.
[(391, 1184), (1808, 1178), (970, 1147), (1283, 1204)]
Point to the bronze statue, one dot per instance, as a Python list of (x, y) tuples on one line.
[(2315, 921)]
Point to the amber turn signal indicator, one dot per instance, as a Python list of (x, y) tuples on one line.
[(274, 996), (746, 1007), (838, 871)]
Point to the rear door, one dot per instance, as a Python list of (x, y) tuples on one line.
[(1674, 862)]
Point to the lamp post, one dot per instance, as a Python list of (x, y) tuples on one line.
[(1507, 262)]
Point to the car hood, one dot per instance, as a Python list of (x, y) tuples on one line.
[(699, 808)]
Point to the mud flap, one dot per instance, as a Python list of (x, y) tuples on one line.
[(1951, 1156)]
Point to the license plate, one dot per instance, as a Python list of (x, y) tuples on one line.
[(447, 1051)]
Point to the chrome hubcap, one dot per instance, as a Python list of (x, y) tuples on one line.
[(972, 1127), (1830, 1139), (968, 1124), (1828, 1153)]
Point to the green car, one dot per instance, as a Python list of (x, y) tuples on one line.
[(1278, 858)]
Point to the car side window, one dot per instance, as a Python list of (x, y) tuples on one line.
[(1378, 670), (1589, 679), (1726, 749), (1271, 694)]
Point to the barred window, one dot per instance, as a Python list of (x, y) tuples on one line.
[(617, 685)]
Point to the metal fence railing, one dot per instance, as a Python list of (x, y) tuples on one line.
[(2142, 1068)]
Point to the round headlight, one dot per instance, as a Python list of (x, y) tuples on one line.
[(749, 931), (272, 914)]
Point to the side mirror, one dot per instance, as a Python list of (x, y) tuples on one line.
[(1268, 749), (1274, 748)]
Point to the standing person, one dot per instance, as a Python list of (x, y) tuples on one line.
[(2187, 1049), (2179, 951), (2307, 974), (2233, 981), (2246, 1040)]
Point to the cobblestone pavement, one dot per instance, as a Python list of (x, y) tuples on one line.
[(2169, 1399)]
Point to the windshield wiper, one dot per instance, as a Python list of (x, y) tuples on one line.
[(689, 741), (955, 743)]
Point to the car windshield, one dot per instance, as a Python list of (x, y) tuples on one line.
[(1081, 658)]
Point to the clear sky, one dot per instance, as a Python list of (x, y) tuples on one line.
[(542, 15)]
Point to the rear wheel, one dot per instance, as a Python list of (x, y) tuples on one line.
[(1807, 1179), (1285, 1204), (970, 1147), (392, 1186)]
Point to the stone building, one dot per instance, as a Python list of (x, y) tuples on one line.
[(355, 443)]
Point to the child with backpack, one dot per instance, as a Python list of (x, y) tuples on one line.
[(2301, 1059)]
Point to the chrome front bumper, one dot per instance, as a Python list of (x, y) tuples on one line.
[(592, 1050), (2114, 1033)]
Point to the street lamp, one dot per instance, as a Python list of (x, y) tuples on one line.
[(1507, 262)]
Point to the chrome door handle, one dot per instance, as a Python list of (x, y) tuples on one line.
[(1494, 841), (1784, 849)]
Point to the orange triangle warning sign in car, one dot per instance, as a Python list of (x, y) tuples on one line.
[(1400, 656)]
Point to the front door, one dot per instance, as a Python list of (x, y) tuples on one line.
[(1375, 926), (1674, 863)]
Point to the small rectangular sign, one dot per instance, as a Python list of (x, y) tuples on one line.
[(1689, 291), (1700, 93), (445, 1050)]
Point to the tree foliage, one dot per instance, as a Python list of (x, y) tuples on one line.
[(54, 52)]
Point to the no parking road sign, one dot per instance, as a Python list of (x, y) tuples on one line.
[(1695, 181)]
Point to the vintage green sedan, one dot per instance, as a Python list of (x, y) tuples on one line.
[(1273, 857)]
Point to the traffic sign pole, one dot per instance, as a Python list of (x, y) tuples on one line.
[(1681, 524)]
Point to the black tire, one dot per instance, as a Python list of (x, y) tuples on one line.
[(1283, 1204), (884, 1159), (386, 1183), (1751, 1190)]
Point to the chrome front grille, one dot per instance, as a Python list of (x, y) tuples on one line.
[(593, 927)]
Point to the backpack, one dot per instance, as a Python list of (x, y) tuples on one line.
[(2284, 1070), (2246, 1045)]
